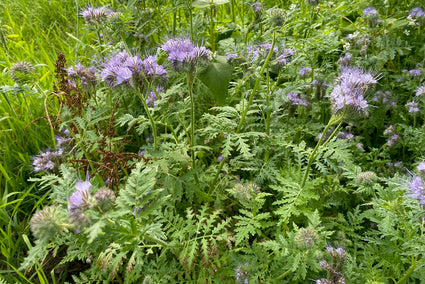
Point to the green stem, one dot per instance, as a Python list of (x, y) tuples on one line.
[(192, 118), (409, 272), (257, 83), (245, 109), (212, 29), (334, 119), (143, 99), (283, 275)]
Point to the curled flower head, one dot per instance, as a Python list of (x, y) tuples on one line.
[(297, 99), (45, 223), (47, 161), (184, 56), (21, 71), (306, 238), (105, 199)]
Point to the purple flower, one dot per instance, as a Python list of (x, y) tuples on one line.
[(417, 13), (304, 72), (421, 167), (47, 161), (350, 89), (370, 11), (97, 14), (296, 100), (184, 55), (415, 72), (87, 75), (81, 196), (416, 186), (346, 59), (256, 6), (220, 158), (420, 91), (152, 96), (125, 69), (393, 140), (413, 107)]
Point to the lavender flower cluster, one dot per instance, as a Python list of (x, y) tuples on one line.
[(335, 274), (184, 56), (350, 90), (372, 16), (123, 69), (297, 99), (256, 54), (81, 200), (86, 75), (394, 138), (49, 160), (98, 15), (418, 14)]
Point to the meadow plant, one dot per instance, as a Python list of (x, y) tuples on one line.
[(236, 160)]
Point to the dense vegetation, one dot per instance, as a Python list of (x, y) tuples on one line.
[(212, 141)]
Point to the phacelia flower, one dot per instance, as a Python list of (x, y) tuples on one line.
[(87, 75), (346, 59), (98, 15), (421, 167), (47, 161), (413, 107), (420, 91), (184, 56), (21, 71), (304, 72), (241, 273), (152, 96), (297, 99), (132, 70), (417, 14), (257, 7), (415, 72), (393, 140), (370, 12), (366, 178), (335, 274), (416, 186), (349, 92), (105, 199)]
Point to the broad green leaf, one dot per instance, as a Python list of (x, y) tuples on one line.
[(217, 77)]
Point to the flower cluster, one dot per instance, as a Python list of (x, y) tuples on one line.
[(416, 186), (241, 273), (394, 138), (418, 14), (123, 69), (384, 98), (184, 56), (297, 99), (304, 72), (98, 15), (413, 107), (350, 90), (81, 200), (335, 274), (420, 91), (346, 59), (372, 16), (47, 161), (87, 75)]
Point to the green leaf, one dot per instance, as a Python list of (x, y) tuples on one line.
[(217, 77)]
